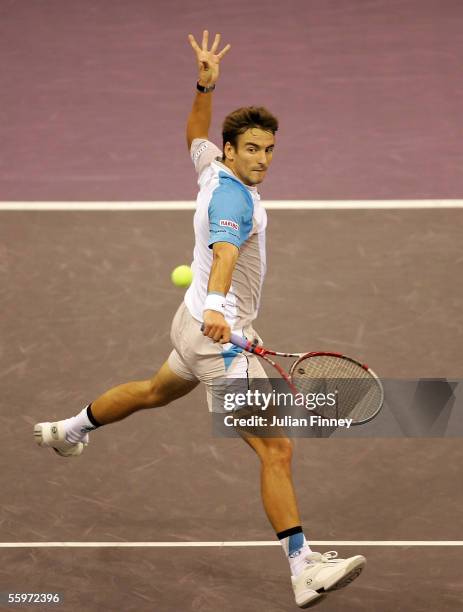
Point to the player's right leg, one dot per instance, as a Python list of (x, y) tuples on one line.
[(122, 401), (69, 437)]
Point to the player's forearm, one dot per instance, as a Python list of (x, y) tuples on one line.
[(223, 264), (199, 119)]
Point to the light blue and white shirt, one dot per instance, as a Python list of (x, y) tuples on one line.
[(227, 210)]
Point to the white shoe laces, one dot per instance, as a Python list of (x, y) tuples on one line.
[(317, 557), (328, 556)]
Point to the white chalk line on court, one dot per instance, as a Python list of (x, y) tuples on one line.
[(269, 204), (226, 544)]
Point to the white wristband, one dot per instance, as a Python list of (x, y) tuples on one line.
[(215, 301)]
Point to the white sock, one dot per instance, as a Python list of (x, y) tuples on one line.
[(296, 548), (78, 426), (299, 563)]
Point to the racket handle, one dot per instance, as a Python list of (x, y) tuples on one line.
[(239, 341)]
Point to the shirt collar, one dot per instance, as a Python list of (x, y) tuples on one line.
[(251, 188)]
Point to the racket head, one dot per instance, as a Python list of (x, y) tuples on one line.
[(358, 391)]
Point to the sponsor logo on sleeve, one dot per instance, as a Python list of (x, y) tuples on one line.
[(228, 223), (201, 149)]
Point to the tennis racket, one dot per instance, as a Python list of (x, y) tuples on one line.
[(358, 391)]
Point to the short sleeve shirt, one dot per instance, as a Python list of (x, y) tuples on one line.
[(226, 211)]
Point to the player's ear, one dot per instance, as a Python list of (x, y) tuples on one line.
[(229, 152)]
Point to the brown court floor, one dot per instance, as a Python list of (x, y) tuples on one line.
[(88, 306), (402, 579)]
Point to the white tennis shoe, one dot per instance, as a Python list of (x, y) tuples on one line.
[(325, 572), (54, 436)]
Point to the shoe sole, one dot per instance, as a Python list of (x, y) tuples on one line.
[(314, 601), (346, 579), (351, 572)]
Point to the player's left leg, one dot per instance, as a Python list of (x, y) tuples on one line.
[(312, 573), (277, 489)]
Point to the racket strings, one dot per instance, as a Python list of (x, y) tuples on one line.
[(356, 393)]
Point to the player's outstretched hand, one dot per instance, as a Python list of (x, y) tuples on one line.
[(215, 326), (208, 60)]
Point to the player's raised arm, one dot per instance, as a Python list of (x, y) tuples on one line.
[(208, 61)]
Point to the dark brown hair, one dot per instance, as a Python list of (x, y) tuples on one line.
[(242, 119)]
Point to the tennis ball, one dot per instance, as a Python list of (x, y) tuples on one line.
[(182, 276)]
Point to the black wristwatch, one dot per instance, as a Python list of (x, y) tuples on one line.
[(205, 89)]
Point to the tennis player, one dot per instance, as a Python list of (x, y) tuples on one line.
[(229, 268)]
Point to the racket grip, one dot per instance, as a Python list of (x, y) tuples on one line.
[(241, 342), (238, 341)]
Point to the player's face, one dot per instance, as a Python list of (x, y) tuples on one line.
[(252, 156)]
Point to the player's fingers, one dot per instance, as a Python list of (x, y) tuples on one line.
[(206, 329), (225, 50), (205, 40), (217, 335), (193, 43), (226, 336), (215, 44), (210, 331)]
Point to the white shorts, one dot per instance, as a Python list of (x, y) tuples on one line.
[(196, 357)]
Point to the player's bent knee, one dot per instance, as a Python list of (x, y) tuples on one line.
[(156, 396), (276, 450)]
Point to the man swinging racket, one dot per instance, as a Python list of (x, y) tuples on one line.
[(229, 267)]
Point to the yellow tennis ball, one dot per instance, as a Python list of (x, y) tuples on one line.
[(182, 276)]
